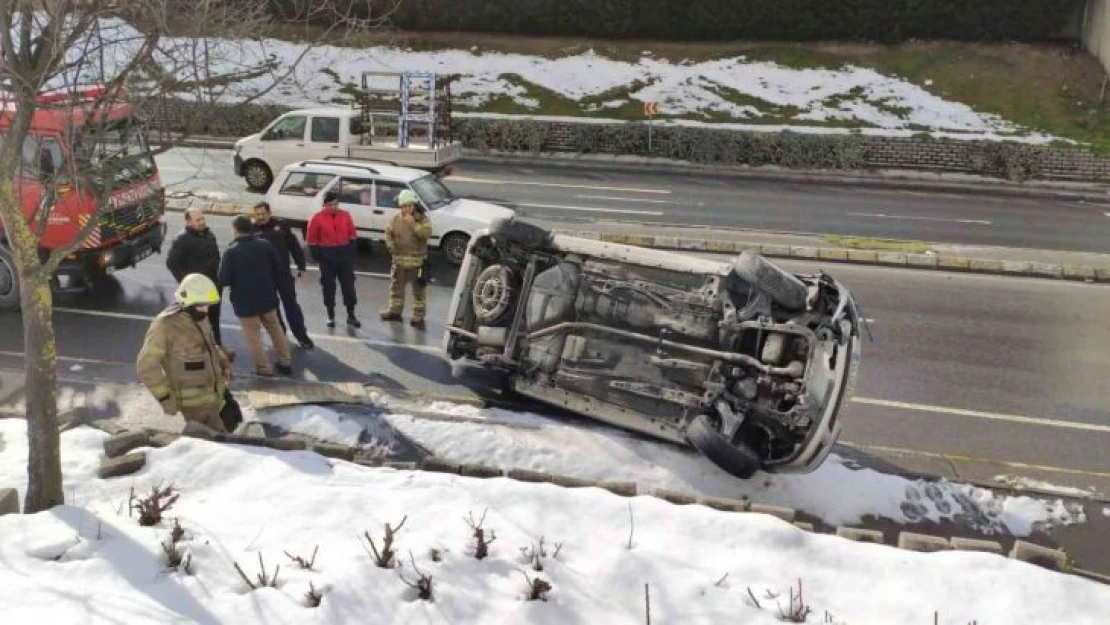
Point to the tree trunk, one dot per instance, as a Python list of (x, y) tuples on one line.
[(44, 462)]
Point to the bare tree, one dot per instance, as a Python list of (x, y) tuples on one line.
[(205, 52)]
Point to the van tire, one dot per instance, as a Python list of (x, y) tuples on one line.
[(258, 175), (783, 288), (454, 247), (736, 459), (9, 281)]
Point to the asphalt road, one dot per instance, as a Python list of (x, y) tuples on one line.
[(556, 194), (979, 366)]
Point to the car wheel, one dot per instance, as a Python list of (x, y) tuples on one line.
[(736, 459), (258, 175), (454, 247), (493, 295), (9, 281), (786, 290), (521, 232)]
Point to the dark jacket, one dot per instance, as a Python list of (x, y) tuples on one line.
[(285, 243), (194, 252), (249, 269)]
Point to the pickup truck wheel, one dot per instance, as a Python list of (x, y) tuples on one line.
[(454, 247), (9, 281), (258, 175), (785, 289), (737, 459)]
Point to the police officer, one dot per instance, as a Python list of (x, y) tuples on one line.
[(406, 236), (285, 243), (331, 240), (180, 363)]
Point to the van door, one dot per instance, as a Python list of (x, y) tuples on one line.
[(284, 142), (324, 138)]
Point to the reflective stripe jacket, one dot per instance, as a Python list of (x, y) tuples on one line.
[(408, 241), (179, 358)]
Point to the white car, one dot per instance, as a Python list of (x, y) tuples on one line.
[(368, 191)]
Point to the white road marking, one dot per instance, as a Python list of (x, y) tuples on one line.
[(915, 218), (610, 198), (1107, 214), (590, 209), (980, 414), (557, 185)]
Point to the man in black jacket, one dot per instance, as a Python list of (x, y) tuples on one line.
[(195, 250), (287, 246), (249, 270)]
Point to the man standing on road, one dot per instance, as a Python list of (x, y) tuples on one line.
[(285, 243), (180, 363), (331, 240), (249, 269), (195, 250), (406, 236)]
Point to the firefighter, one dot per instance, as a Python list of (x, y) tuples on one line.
[(180, 363), (331, 238), (406, 236)]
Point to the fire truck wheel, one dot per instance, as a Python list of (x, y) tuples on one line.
[(9, 281)]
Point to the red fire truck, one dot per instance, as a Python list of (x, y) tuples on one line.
[(108, 145)]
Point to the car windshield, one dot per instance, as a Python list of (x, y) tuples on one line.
[(432, 192), (116, 150)]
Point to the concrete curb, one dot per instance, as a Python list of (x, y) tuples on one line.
[(937, 262), (896, 180)]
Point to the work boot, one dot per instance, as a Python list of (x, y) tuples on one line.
[(389, 315), (418, 323), (331, 317), (305, 342), (284, 369), (352, 320)]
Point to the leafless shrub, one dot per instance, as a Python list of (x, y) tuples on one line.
[(720, 582), (263, 579), (537, 588), (798, 611), (151, 507), (176, 560), (482, 541), (534, 554), (631, 526), (301, 562), (387, 557), (423, 584), (755, 602), (313, 597), (177, 533)]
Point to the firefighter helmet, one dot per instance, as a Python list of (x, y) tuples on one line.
[(196, 289)]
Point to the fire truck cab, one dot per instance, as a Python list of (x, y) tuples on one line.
[(105, 149)]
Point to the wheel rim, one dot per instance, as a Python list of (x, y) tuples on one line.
[(7, 277), (256, 175), (456, 248), (493, 295)]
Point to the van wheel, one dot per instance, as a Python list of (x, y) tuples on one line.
[(454, 247), (737, 458), (258, 175), (9, 281)]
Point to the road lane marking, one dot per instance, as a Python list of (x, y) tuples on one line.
[(557, 185), (980, 414), (916, 218), (976, 459), (589, 209), (612, 198)]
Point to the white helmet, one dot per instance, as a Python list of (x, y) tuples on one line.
[(196, 289)]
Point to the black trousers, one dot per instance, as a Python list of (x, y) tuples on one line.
[(214, 320), (287, 292), (344, 271)]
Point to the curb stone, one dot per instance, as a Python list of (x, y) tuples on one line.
[(332, 450), (924, 543), (436, 465), (123, 465), (624, 489), (807, 527), (480, 471), (786, 514), (568, 481), (725, 505), (973, 544), (528, 475), (9, 501), (1054, 559), (675, 497), (859, 534), (945, 262), (115, 446)]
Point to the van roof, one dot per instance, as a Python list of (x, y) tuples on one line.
[(331, 111), (353, 166)]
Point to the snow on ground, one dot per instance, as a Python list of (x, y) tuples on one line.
[(89, 562), (749, 92), (840, 492), (1018, 481)]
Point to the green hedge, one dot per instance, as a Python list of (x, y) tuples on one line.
[(723, 20)]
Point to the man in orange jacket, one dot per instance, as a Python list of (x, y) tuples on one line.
[(331, 238)]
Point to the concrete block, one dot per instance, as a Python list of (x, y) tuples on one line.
[(479, 470), (123, 465), (1054, 559), (891, 258), (437, 465), (726, 247), (922, 542), (861, 535), (675, 497), (831, 253), (974, 544), (1046, 270), (921, 260), (244, 439), (400, 466), (863, 256), (803, 526), (985, 265), (775, 250), (1017, 267), (75, 417), (332, 450), (285, 444), (786, 514), (666, 243), (1079, 272), (628, 238), (1102, 274), (944, 261), (725, 505), (694, 245), (803, 251), (569, 481), (9, 501), (115, 446), (109, 427), (163, 439), (624, 489)]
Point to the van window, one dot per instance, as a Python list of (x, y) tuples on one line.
[(325, 129), (288, 128), (305, 184)]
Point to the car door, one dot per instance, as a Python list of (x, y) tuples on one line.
[(293, 197), (284, 141), (324, 137), (356, 196)]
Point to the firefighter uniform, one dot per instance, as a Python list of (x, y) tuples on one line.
[(406, 236), (180, 363)]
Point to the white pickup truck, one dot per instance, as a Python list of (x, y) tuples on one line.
[(322, 133)]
